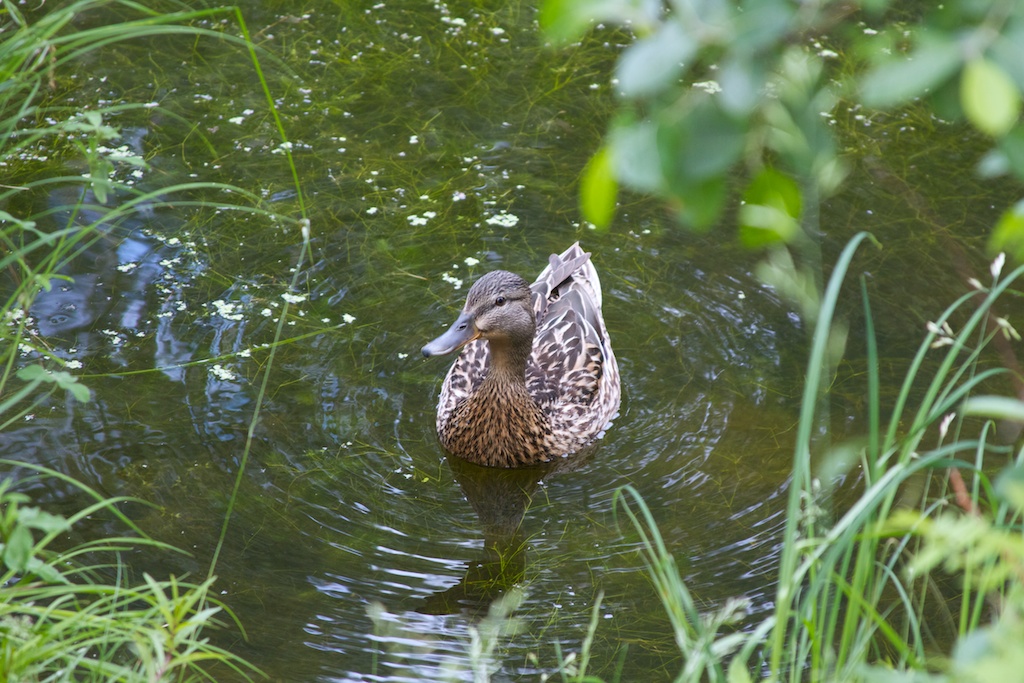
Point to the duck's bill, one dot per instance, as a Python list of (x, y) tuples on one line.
[(462, 331)]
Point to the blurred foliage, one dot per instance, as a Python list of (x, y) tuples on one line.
[(712, 90)]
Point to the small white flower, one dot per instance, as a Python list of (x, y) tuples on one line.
[(458, 196), (505, 220), (414, 139), (127, 267), (222, 373), (1008, 330), (997, 265), (944, 334), (372, 210), (73, 365), (470, 261), (452, 280), (347, 318), (403, 356), (710, 87), (237, 120), (226, 310), (944, 425), (266, 313), (283, 147)]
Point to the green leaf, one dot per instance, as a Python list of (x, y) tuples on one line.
[(23, 224), (989, 97), (564, 21), (1013, 145), (100, 170), (650, 64), (742, 79), (633, 146), (18, 550), (1008, 235), (703, 143), (701, 203), (35, 518), (999, 407), (33, 373), (771, 210), (599, 190), (44, 571), (69, 382), (901, 80), (64, 380), (1010, 487), (1008, 52), (763, 25), (738, 671)]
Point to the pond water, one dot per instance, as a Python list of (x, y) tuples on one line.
[(435, 142)]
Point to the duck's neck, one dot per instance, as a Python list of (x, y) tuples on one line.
[(508, 362)]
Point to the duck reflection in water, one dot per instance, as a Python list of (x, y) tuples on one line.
[(500, 499)]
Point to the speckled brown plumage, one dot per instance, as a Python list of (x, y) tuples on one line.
[(537, 378)]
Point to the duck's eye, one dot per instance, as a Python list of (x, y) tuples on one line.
[(500, 301)]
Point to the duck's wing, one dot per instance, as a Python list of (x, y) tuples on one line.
[(571, 350), (572, 265)]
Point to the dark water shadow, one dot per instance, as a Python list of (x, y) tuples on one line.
[(500, 498)]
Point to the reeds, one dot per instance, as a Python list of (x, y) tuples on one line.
[(862, 595)]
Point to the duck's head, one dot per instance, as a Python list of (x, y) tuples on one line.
[(499, 309)]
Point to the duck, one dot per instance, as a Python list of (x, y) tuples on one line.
[(536, 379)]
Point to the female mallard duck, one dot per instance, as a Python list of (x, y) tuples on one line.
[(537, 379)]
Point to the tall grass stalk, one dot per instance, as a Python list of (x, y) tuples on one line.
[(305, 252)]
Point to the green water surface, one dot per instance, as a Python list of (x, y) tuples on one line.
[(434, 142)]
